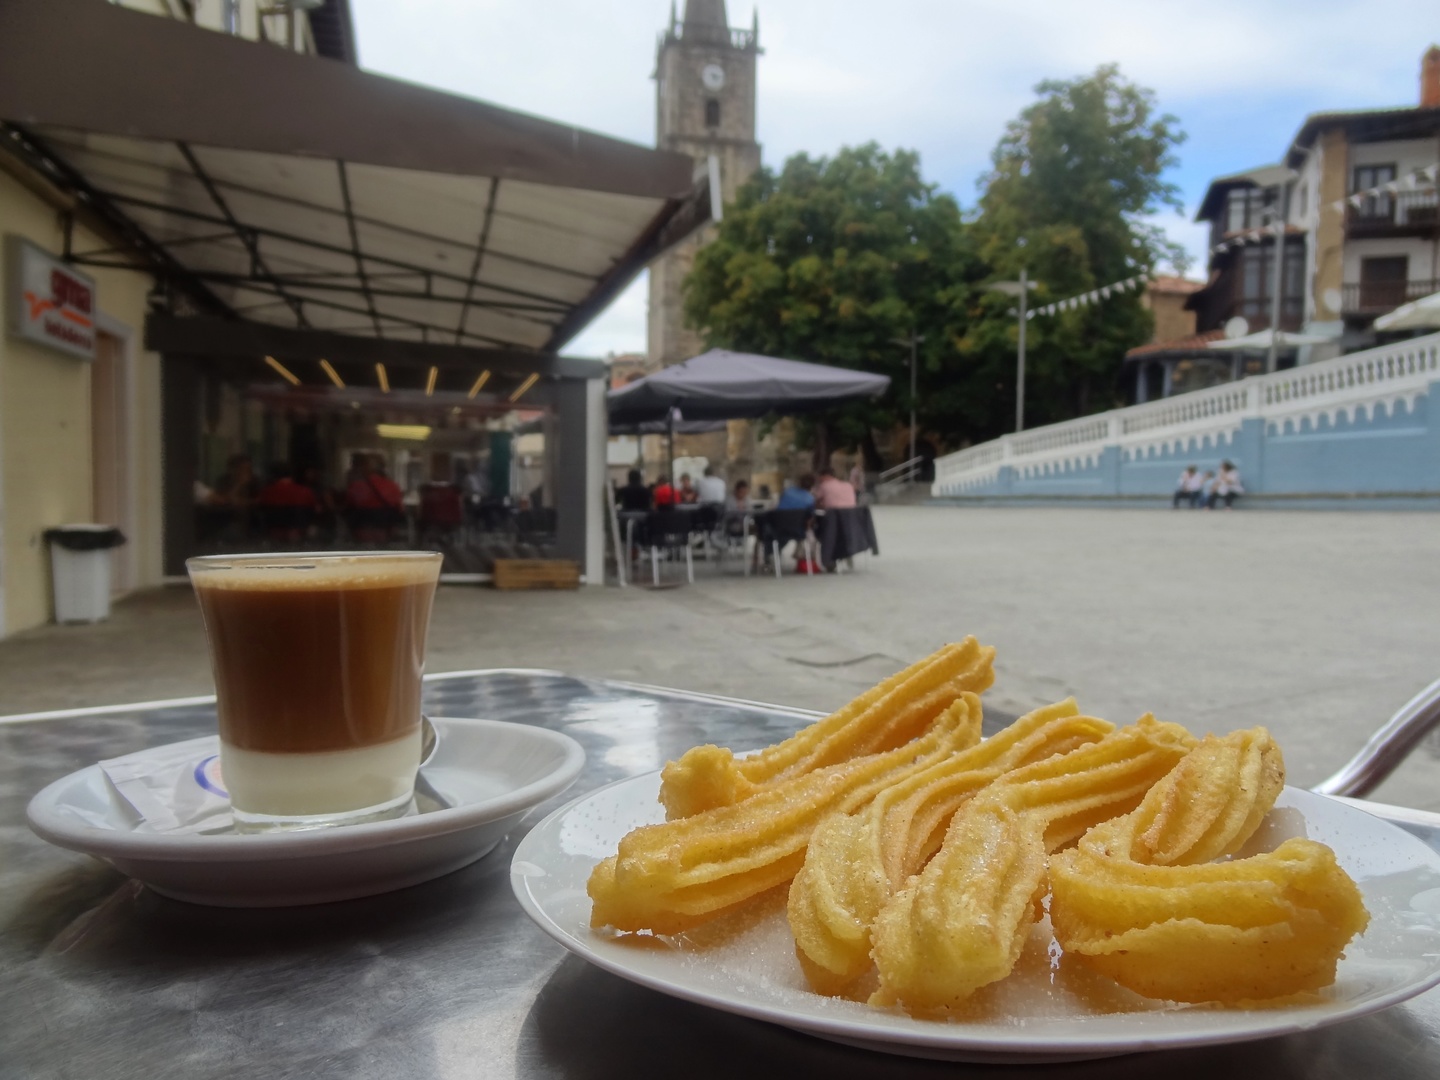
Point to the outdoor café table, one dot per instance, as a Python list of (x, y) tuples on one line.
[(104, 980)]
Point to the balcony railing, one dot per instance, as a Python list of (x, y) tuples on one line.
[(1369, 380), (1378, 297), (1409, 213)]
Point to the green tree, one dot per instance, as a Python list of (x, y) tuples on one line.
[(1074, 179), (832, 259), (829, 261)]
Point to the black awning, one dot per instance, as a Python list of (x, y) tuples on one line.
[(300, 192)]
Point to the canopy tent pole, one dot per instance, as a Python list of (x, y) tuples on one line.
[(670, 465)]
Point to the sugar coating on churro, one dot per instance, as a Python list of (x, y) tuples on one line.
[(889, 715)]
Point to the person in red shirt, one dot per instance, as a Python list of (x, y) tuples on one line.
[(286, 507), (375, 502), (686, 493), (665, 497)]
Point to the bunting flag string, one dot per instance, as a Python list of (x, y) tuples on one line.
[(1094, 295), (1429, 176), (1249, 236)]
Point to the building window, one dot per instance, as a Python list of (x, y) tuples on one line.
[(1246, 208), (1383, 282), (712, 113), (1372, 176), (1257, 278), (1304, 201)]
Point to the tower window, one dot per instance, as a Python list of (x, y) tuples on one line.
[(712, 113)]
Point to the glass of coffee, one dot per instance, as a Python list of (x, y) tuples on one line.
[(317, 661)]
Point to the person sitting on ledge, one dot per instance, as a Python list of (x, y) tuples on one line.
[(1226, 487), (1190, 489)]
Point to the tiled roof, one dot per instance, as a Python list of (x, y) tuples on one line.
[(1167, 283), (1188, 343)]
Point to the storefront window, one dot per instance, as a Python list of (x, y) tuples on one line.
[(282, 468)]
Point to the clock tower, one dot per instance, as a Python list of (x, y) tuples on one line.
[(704, 107)]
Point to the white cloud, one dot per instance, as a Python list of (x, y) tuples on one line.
[(620, 328)]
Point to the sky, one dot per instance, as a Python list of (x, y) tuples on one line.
[(938, 76)]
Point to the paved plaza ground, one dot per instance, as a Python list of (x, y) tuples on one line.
[(1318, 625)]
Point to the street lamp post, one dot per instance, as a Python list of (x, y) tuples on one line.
[(913, 341), (1020, 289)]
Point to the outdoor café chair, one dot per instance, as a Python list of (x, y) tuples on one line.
[(783, 526), (668, 531), (705, 527), (732, 534)]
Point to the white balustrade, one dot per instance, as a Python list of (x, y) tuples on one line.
[(1358, 381)]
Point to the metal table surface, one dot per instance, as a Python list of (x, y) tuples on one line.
[(100, 978)]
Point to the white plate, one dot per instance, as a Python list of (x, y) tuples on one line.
[(489, 772), (1032, 1016)]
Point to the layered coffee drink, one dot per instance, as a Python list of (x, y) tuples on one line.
[(317, 662)]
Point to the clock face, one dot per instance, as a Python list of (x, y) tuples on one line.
[(713, 76)]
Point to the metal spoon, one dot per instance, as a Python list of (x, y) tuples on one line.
[(429, 741), (1387, 748)]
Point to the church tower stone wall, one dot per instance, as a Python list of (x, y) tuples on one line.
[(704, 106)]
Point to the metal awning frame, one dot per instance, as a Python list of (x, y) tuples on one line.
[(67, 72), (160, 257)]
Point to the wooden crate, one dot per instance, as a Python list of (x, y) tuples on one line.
[(536, 574)]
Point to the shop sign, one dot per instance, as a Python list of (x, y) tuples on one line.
[(47, 302)]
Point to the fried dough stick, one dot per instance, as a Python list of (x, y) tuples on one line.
[(884, 717), (858, 861), (670, 877), (1137, 899), (961, 922)]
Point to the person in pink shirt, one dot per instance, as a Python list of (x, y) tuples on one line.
[(832, 493)]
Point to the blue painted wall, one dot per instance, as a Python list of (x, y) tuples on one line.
[(1395, 451)]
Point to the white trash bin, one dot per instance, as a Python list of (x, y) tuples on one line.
[(80, 567)]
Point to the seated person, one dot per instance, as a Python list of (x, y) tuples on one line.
[(287, 507), (711, 488), (634, 495), (797, 496), (1226, 486), (686, 492), (665, 496), (283, 490), (832, 493), (740, 502), (374, 501), (1188, 488)]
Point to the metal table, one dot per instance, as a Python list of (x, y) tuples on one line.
[(100, 978)]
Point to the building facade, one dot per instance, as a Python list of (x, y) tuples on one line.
[(1354, 212), (80, 435)]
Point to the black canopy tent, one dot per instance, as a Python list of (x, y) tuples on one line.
[(724, 385)]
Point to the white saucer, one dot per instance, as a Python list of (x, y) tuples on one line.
[(489, 772), (1034, 1016)]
